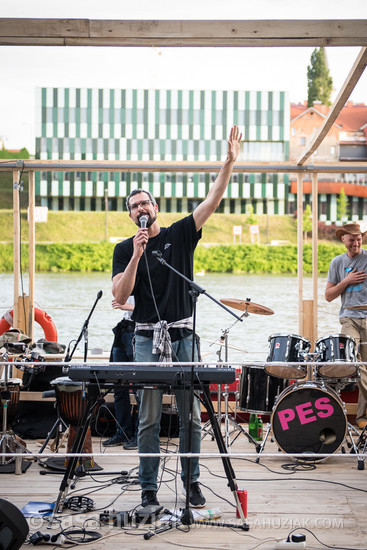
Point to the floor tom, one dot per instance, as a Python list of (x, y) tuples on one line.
[(258, 390)]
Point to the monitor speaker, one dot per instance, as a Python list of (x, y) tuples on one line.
[(13, 526)]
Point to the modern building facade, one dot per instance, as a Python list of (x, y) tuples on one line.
[(131, 124)]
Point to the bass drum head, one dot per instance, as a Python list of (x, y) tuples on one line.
[(309, 418)]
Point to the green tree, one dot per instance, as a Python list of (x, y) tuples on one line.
[(307, 221), (319, 81), (342, 205), (251, 218)]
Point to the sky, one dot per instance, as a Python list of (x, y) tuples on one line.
[(23, 69)]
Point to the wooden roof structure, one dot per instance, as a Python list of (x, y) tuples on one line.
[(213, 33)]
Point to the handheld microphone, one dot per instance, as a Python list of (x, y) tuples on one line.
[(99, 295), (143, 220)]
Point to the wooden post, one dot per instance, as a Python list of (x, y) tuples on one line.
[(106, 214), (300, 250), (308, 322), (16, 246), (315, 270), (32, 250)]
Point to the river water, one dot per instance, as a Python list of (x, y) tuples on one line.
[(69, 297)]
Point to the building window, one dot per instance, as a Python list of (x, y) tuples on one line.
[(302, 141)]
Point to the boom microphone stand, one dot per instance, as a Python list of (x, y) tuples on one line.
[(195, 291)]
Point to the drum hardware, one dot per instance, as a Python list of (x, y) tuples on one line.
[(57, 429), (9, 389), (229, 421), (207, 428), (361, 445)]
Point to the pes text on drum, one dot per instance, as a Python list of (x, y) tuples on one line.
[(293, 523)]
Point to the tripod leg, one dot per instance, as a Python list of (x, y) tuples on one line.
[(57, 427), (263, 443)]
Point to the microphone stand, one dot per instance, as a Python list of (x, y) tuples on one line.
[(195, 290), (84, 333)]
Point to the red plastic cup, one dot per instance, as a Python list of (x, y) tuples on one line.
[(242, 497)]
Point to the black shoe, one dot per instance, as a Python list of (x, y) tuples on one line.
[(149, 498), (115, 440), (197, 499), (132, 444)]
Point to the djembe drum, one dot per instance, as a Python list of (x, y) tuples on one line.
[(71, 404)]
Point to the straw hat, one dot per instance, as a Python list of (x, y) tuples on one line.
[(350, 229)]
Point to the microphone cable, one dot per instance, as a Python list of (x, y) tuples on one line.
[(154, 300)]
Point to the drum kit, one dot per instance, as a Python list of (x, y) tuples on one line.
[(298, 389)]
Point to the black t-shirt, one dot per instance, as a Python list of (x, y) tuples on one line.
[(177, 244)]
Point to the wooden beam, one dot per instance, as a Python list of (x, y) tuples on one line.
[(347, 88), (183, 33), (179, 166)]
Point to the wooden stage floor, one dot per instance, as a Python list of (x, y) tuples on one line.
[(325, 500)]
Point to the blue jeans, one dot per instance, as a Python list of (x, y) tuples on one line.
[(124, 421), (150, 416)]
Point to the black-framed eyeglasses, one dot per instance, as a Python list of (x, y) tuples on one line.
[(136, 205)]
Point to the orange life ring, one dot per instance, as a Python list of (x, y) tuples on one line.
[(42, 318)]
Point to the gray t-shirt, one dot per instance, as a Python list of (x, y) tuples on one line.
[(353, 295)]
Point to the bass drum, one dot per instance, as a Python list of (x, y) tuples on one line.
[(258, 390), (309, 418)]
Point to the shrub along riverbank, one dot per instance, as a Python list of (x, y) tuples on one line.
[(57, 257)]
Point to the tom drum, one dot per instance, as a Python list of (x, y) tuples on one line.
[(336, 349), (287, 348)]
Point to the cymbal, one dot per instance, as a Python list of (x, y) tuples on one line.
[(247, 305), (362, 306)]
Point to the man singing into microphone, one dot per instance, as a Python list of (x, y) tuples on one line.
[(163, 314)]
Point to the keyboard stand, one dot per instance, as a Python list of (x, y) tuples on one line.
[(232, 483)]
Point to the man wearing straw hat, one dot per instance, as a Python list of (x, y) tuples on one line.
[(347, 279)]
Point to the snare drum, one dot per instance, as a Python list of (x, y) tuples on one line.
[(10, 395), (309, 417), (286, 348), (71, 404), (258, 390), (334, 348)]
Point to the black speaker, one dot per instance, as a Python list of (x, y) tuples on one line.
[(13, 526)]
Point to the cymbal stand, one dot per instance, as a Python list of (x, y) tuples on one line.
[(228, 419)]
